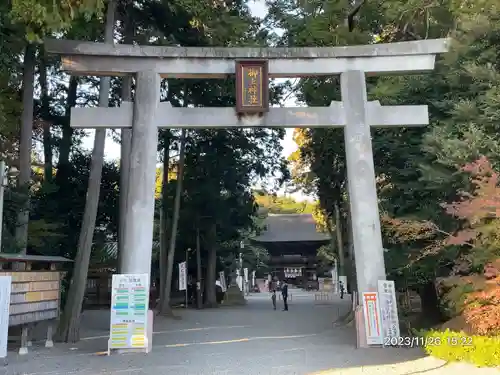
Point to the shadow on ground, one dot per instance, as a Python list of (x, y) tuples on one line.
[(252, 339)]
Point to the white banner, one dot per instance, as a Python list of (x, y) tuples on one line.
[(182, 276), (388, 309), (5, 288), (129, 311), (335, 279), (373, 323), (222, 280)]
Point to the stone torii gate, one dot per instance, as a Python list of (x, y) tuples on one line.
[(355, 114)]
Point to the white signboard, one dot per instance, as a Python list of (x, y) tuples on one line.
[(182, 276), (129, 311), (335, 279), (239, 279), (245, 273), (388, 309), (222, 280), (5, 287), (373, 323)]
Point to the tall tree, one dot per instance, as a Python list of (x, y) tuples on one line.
[(165, 305), (69, 328), (24, 179), (38, 19)]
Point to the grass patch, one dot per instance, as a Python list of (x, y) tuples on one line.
[(482, 351)]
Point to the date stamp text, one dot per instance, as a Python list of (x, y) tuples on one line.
[(421, 341)]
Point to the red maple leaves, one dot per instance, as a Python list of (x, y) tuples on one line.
[(479, 212), (484, 202)]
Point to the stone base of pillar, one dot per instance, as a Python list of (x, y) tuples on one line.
[(234, 296), (360, 328)]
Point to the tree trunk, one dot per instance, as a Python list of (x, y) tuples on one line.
[(69, 329), (63, 164), (25, 145), (164, 218), (340, 240), (45, 116), (210, 292), (126, 143), (165, 308)]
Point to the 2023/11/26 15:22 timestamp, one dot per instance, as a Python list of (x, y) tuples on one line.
[(423, 341)]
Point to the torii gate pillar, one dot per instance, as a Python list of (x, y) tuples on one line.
[(138, 233), (363, 201)]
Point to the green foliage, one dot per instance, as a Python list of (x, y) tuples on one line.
[(454, 292), (457, 346), (274, 204), (61, 208), (326, 255), (43, 17)]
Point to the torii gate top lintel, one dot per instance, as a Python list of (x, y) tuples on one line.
[(88, 58)]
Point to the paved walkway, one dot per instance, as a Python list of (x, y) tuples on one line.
[(252, 339)]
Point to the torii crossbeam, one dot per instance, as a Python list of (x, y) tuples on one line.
[(222, 118)]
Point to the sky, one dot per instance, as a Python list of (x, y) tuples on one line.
[(112, 149)]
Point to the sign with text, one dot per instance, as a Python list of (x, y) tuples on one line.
[(5, 289), (252, 86), (388, 309), (182, 276), (222, 280), (129, 311), (371, 312)]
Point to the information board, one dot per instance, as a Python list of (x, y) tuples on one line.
[(129, 311), (182, 276), (5, 286), (371, 312), (34, 296), (388, 309)]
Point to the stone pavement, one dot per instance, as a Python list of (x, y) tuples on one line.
[(251, 339)]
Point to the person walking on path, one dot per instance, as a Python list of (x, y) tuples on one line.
[(284, 294), (273, 298)]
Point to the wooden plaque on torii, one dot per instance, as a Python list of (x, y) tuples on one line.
[(252, 86)]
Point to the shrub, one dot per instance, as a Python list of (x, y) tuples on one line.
[(482, 311), (482, 351)]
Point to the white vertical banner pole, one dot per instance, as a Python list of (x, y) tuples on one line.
[(5, 290), (187, 274)]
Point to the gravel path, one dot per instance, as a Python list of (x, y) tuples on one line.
[(252, 339)]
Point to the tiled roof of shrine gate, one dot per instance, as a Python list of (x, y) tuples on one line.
[(291, 228)]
